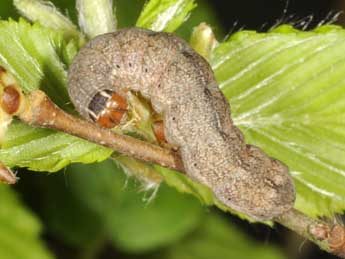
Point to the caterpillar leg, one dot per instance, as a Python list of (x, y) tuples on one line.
[(158, 130)]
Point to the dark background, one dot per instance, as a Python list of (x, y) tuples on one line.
[(264, 14)]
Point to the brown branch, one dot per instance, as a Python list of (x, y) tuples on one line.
[(329, 237), (41, 112)]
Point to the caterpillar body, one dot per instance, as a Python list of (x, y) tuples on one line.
[(196, 116)]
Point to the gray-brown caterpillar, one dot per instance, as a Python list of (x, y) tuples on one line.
[(181, 86)]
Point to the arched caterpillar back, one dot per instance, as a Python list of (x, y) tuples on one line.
[(181, 86)]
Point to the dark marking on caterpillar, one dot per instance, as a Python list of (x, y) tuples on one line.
[(182, 88)]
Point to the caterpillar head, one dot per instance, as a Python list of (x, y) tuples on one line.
[(107, 108), (92, 90)]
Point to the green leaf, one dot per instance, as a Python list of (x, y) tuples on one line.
[(217, 238), (47, 150), (134, 223), (33, 54), (287, 91), (19, 229), (165, 15), (30, 53)]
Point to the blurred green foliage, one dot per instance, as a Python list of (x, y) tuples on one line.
[(88, 206), (19, 229), (7, 10)]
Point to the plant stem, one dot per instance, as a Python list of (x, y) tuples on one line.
[(327, 236), (42, 112)]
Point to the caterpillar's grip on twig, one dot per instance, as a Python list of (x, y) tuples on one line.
[(181, 86)]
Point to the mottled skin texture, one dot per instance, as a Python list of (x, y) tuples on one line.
[(182, 87)]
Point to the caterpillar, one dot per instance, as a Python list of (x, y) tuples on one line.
[(181, 86)]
